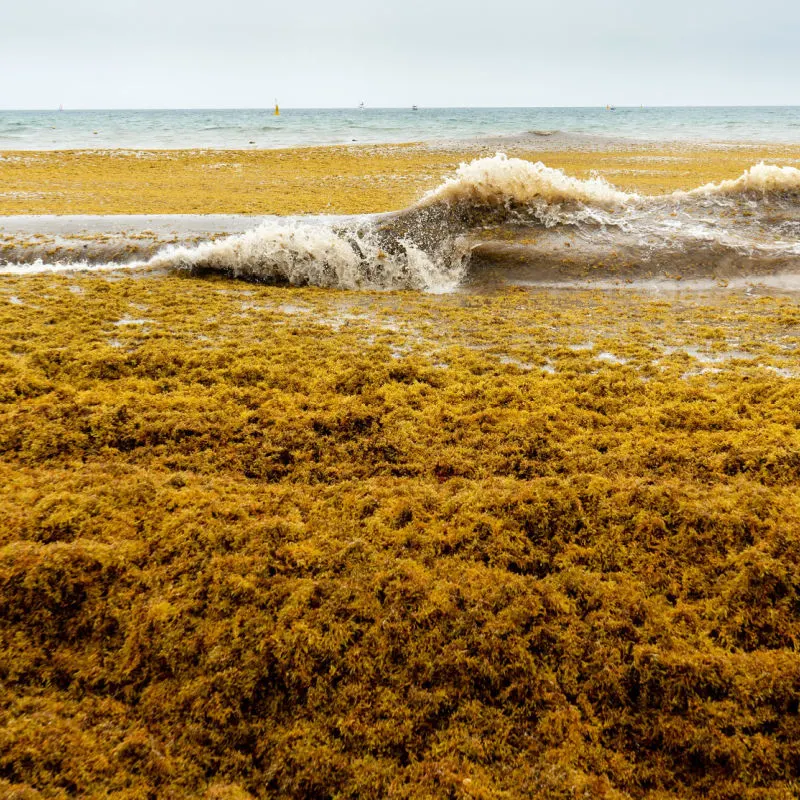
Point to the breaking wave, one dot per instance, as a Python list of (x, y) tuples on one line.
[(496, 210), (500, 180), (348, 255), (761, 179), (424, 247)]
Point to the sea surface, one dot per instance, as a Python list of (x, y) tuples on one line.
[(260, 128)]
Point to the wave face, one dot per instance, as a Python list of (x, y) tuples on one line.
[(505, 218), (426, 246), (348, 255)]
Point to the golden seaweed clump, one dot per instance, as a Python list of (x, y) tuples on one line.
[(260, 542), (347, 180)]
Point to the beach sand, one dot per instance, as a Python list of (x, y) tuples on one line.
[(295, 542)]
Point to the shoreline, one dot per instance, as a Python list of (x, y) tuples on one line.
[(533, 139)]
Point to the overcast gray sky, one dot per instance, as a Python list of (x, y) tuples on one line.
[(324, 53)]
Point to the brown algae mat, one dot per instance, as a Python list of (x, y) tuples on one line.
[(262, 542), (337, 180)]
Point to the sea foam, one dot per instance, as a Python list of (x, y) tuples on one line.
[(502, 180), (761, 178), (348, 255)]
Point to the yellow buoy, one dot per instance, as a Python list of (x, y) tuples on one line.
[(277, 110)]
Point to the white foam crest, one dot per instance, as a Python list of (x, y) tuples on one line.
[(319, 254), (762, 178), (499, 180)]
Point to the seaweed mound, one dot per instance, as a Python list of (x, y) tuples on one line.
[(288, 543)]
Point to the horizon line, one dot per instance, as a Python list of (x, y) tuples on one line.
[(386, 108)]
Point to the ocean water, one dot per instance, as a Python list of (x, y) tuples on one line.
[(260, 128)]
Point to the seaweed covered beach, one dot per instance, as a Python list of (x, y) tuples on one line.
[(520, 539), (302, 543)]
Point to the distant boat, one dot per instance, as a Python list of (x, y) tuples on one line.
[(414, 108), (611, 108), (277, 110)]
